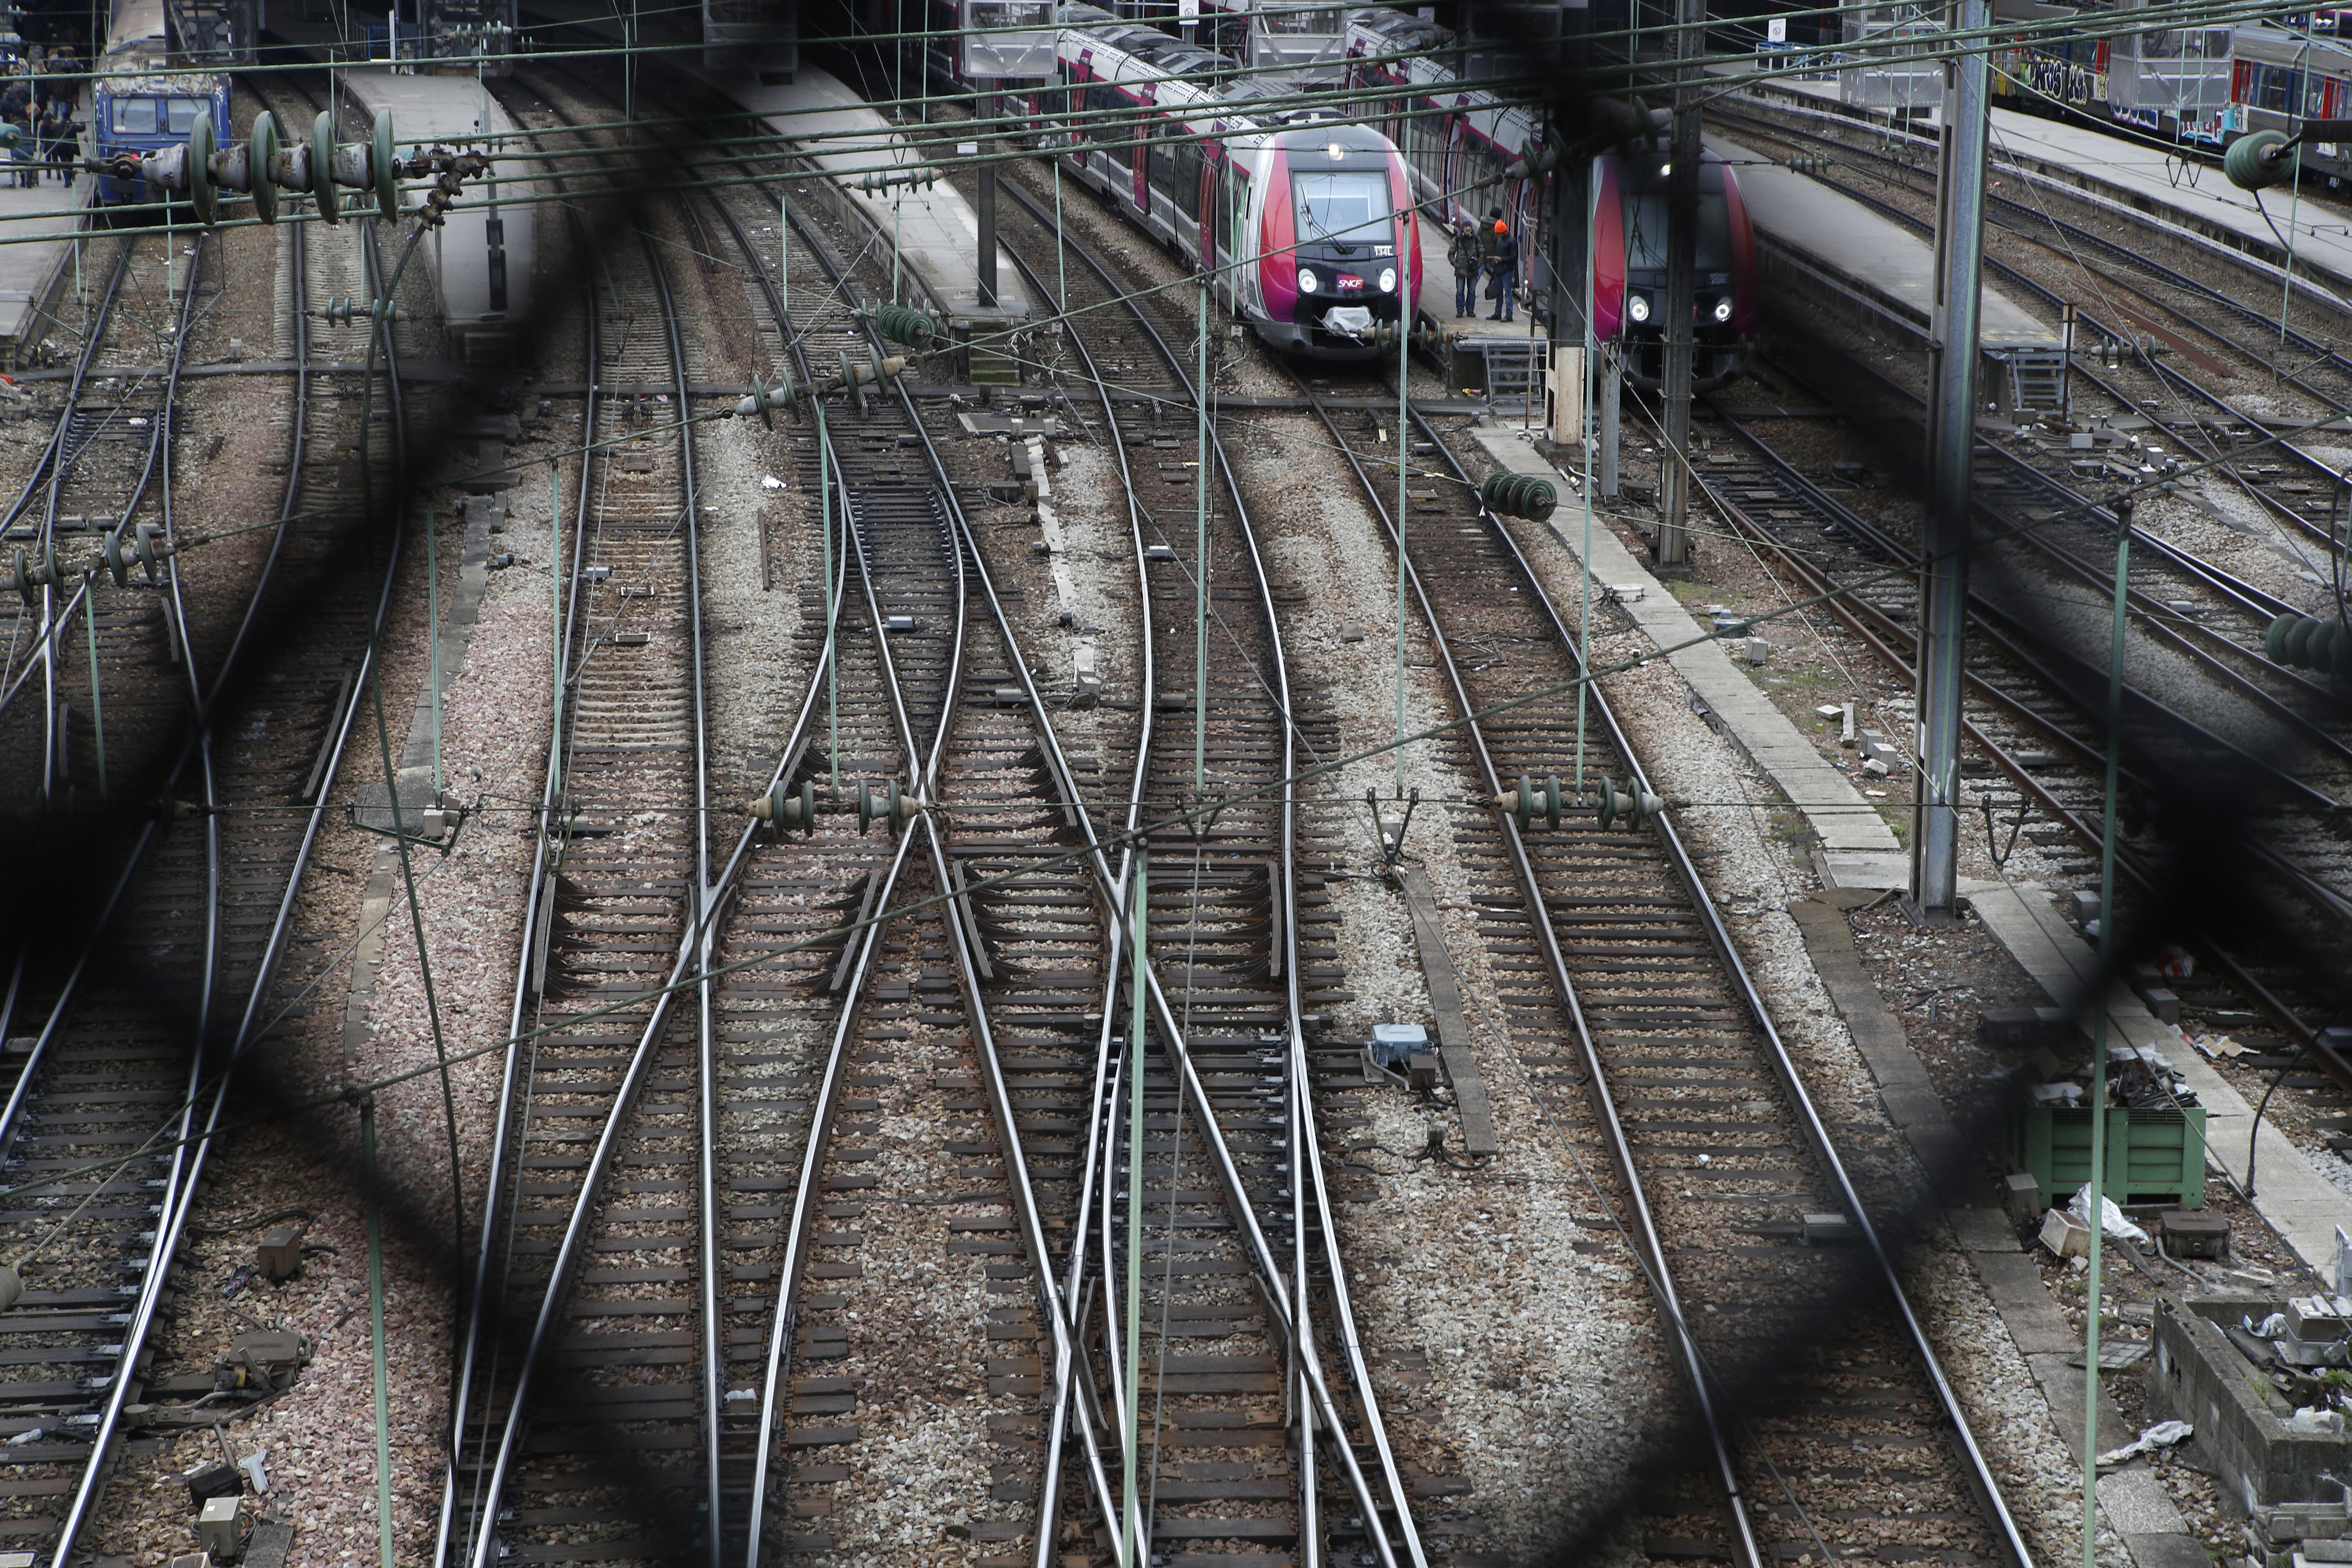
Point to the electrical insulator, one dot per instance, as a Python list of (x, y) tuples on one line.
[(1632, 805), (1518, 495)]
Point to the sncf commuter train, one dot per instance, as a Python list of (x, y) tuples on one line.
[(1461, 146), (1304, 218), (1629, 267), (142, 100)]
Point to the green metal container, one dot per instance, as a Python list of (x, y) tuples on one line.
[(2154, 1156)]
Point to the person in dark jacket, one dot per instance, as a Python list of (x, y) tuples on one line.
[(57, 139), (1503, 271), (1463, 254), (16, 111)]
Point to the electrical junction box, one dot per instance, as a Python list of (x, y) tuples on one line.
[(220, 1529), (1393, 1044), (2185, 1234), (280, 1256)]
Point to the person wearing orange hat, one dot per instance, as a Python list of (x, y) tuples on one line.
[(1503, 267)]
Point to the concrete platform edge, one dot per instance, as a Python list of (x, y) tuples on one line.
[(1858, 848), (2289, 1191)]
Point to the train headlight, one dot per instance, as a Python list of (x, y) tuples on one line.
[(1307, 284), (1388, 279), (1638, 308), (1722, 311)]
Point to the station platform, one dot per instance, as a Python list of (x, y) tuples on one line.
[(2143, 175), (935, 229), (480, 257), (1815, 243), (37, 275)]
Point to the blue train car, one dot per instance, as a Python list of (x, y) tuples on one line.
[(144, 99)]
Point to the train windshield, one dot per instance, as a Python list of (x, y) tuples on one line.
[(1351, 207), (147, 116), (1645, 234)]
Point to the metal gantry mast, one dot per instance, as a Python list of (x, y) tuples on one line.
[(1951, 440)]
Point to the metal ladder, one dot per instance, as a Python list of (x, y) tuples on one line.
[(1514, 373), (2037, 378)]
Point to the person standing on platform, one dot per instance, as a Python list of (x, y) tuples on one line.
[(57, 139), (1503, 281), (17, 112), (1463, 254)]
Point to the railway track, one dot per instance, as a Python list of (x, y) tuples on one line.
[(92, 485), (115, 1089), (2038, 719), (1680, 1059), (2302, 493), (762, 1115), (1346, 1493), (1063, 1053)]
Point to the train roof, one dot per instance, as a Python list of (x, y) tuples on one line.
[(1403, 30), (2269, 45), (138, 25)]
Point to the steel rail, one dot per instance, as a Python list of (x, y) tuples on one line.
[(1784, 1068), (1989, 617), (2302, 880), (53, 618), (700, 913), (1306, 1148), (1643, 1230), (2235, 590), (2035, 217), (546, 866), (1270, 1276), (1023, 1192), (2168, 275), (2011, 1540), (1882, 637), (194, 1151), (1108, 1081)]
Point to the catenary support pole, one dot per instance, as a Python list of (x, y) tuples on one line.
[(433, 633), (1612, 402), (1951, 441), (2099, 1097), (832, 598), (1132, 1503), (555, 621), (376, 1330), (97, 700), (1584, 559), (1682, 293), (1201, 558), (985, 210), (1404, 453)]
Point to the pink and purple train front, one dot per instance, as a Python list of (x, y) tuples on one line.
[(1629, 271), (1338, 240)]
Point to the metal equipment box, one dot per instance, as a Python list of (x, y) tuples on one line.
[(2152, 1156)]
